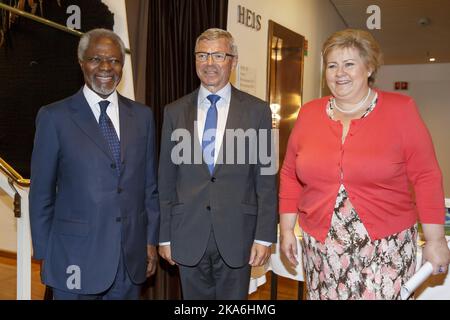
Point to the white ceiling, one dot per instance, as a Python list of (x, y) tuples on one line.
[(402, 39)]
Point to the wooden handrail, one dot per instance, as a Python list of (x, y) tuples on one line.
[(13, 174), (45, 21)]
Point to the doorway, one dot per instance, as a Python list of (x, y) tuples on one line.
[(285, 80)]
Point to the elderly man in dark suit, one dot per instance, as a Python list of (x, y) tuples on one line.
[(93, 199), (218, 207)]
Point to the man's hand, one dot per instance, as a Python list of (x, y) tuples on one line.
[(259, 254), (164, 251), (152, 260)]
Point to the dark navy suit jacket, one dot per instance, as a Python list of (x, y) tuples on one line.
[(82, 213)]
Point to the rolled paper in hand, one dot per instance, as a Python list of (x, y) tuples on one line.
[(417, 279)]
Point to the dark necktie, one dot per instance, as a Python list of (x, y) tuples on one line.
[(209, 133), (109, 133)]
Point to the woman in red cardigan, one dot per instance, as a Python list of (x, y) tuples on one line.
[(350, 163)]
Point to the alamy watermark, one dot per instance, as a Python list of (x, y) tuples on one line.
[(374, 20), (74, 278), (74, 20), (239, 146)]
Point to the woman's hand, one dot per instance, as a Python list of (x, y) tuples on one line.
[(288, 240), (436, 249), (288, 245), (438, 254)]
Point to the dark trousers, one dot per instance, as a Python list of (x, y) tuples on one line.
[(121, 289), (213, 279)]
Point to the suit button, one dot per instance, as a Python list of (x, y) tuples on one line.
[(113, 166), (208, 208), (213, 179), (119, 190), (118, 219)]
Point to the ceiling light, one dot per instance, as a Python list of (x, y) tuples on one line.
[(432, 59), (424, 22)]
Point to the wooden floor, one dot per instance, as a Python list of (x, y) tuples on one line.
[(8, 280), (287, 289)]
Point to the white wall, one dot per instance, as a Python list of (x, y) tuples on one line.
[(429, 85), (313, 19)]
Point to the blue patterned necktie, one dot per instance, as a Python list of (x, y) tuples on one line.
[(109, 133), (209, 133)]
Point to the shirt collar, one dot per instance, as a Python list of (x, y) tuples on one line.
[(93, 98), (224, 93)]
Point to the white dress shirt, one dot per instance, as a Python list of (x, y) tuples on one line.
[(113, 108), (223, 106)]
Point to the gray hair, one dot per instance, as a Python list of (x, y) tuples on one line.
[(215, 34), (95, 34)]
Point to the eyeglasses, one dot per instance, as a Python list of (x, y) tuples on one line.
[(216, 56), (95, 61)]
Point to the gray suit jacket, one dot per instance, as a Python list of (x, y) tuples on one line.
[(236, 201)]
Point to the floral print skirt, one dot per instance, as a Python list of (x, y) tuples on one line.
[(351, 266)]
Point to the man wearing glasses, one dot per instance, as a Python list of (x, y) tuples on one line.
[(218, 216)]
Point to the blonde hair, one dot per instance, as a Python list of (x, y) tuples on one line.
[(368, 48), (215, 34)]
